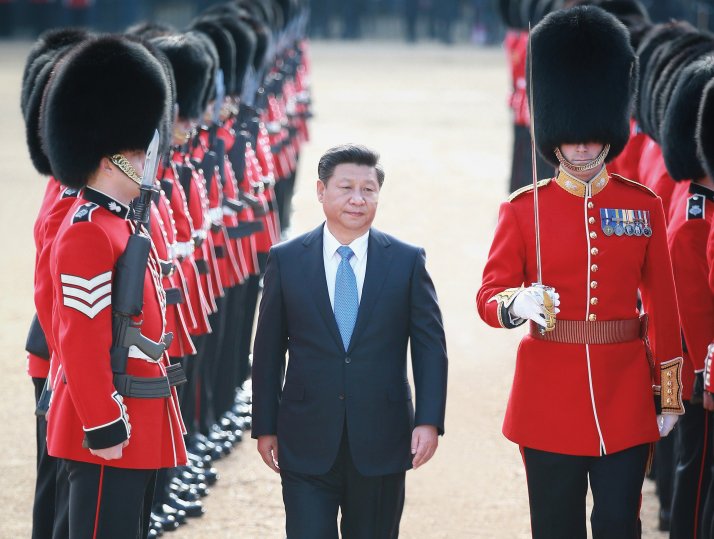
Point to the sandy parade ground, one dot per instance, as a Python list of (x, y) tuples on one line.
[(439, 118)]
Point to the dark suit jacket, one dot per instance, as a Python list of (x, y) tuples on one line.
[(364, 388)]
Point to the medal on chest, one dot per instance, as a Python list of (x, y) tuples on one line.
[(623, 222)]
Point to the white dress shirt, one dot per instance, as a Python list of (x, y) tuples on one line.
[(332, 259)]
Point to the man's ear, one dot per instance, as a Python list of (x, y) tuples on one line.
[(320, 190)]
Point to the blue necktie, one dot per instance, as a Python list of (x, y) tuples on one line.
[(346, 298)]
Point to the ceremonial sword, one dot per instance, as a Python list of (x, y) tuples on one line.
[(547, 300)]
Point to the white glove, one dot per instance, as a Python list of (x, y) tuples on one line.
[(528, 304), (665, 423)]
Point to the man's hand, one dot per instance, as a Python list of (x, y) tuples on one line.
[(425, 440), (708, 401), (528, 304), (110, 453), (665, 423), (268, 449)]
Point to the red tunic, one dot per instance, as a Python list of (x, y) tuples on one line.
[(38, 367), (181, 345), (516, 45), (627, 164), (84, 401), (688, 231), (652, 172), (583, 399)]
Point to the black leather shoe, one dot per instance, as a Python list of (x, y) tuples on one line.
[(192, 509), (184, 491), (167, 522), (205, 446), (210, 474), (178, 514)]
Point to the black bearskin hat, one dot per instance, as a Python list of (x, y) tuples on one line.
[(656, 37), (245, 43), (225, 47), (150, 29), (632, 13), (584, 72), (679, 127), (192, 71), (108, 95), (705, 129), (510, 11), (44, 50), (33, 90), (678, 59), (543, 8), (167, 123), (210, 50)]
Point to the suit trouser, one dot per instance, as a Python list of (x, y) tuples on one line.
[(558, 486), (692, 473), (49, 510), (371, 506), (107, 502), (707, 526)]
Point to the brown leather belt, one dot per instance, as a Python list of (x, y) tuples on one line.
[(585, 332)]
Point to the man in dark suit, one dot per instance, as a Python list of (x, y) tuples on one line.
[(344, 301)]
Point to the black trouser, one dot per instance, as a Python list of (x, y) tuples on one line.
[(188, 392), (206, 368), (227, 365), (521, 165), (692, 474), (108, 503), (284, 190), (664, 466), (246, 338), (371, 506), (707, 527), (558, 486), (49, 509)]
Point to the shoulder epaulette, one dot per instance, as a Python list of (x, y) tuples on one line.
[(84, 213), (695, 207), (519, 192), (634, 184)]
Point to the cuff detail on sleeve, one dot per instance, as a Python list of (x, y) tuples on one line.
[(110, 434), (504, 300), (670, 391)]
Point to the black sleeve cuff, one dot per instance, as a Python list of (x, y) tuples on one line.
[(107, 436)]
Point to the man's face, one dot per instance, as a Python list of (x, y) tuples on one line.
[(581, 153), (182, 130), (349, 199)]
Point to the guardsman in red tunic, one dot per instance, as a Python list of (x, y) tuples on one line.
[(590, 396), (50, 503), (705, 149), (113, 422), (692, 208)]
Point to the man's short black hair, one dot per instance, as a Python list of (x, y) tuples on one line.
[(348, 153)]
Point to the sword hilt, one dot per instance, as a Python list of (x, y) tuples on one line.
[(548, 307)]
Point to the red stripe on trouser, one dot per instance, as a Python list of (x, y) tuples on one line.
[(99, 502), (701, 474)]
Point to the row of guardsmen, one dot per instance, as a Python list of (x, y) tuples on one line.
[(149, 258), (670, 150)]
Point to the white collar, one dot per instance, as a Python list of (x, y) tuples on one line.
[(330, 244)]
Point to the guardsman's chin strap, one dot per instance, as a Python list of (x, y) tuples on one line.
[(126, 167), (595, 163)]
